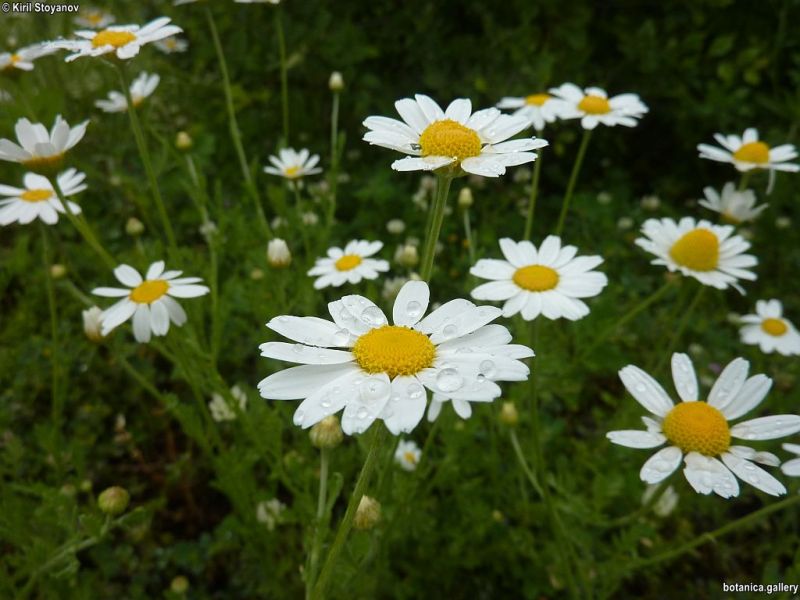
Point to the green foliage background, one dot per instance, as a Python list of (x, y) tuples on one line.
[(466, 525)]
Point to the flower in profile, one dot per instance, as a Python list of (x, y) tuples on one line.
[(141, 87), (92, 323), (278, 254), (698, 432), (124, 41), (593, 106), (292, 164), (733, 205), (351, 264), (407, 455), (38, 149), (373, 370), (792, 467), (220, 408), (549, 281), (172, 44), (149, 300), (770, 330), (748, 152), (707, 252), (455, 138), (22, 59), (538, 108), (94, 18), (38, 199)]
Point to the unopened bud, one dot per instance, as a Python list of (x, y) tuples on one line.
[(183, 141), (278, 254), (92, 323), (257, 274), (508, 414), (179, 585), (57, 271), (395, 226), (114, 500), (368, 513), (327, 433), (336, 82), (465, 198), (134, 227), (407, 255)]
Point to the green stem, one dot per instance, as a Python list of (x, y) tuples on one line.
[(319, 530), (676, 335), (439, 204), (233, 125), (83, 227), (144, 153), (537, 167), (573, 178), (56, 408), (284, 75), (744, 180), (523, 463), (333, 178), (468, 236), (378, 437)]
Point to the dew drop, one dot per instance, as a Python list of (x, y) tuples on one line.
[(640, 387), (372, 315), (362, 413), (450, 330), (448, 380), (481, 378), (341, 337), (487, 368), (415, 391), (413, 309), (373, 389)]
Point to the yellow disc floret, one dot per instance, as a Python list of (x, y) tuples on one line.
[(449, 138), (697, 250), (594, 105), (537, 99), (394, 350), (149, 291), (291, 172), (536, 278), (753, 152), (112, 38), (774, 327), (39, 195), (44, 164), (410, 457), (348, 262), (697, 427)]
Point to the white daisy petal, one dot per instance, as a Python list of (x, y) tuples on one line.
[(684, 377), (634, 438), (706, 474), (661, 465), (646, 390), (767, 428), (755, 476)]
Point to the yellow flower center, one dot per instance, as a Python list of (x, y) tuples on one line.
[(15, 58), (292, 171), (36, 195), (753, 152), (149, 291), (697, 250), (449, 138), (537, 99), (348, 262), (44, 164), (94, 18), (171, 43), (536, 278), (410, 457), (394, 350), (730, 218), (112, 38), (774, 327), (594, 105), (697, 427)]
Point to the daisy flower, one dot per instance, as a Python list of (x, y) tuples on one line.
[(94, 18), (549, 281), (735, 206), (700, 433), (770, 330), (373, 370), (455, 138), (407, 455), (792, 467), (141, 87), (150, 301), (593, 106), (124, 41), (349, 265), (38, 199), (22, 59), (292, 164), (707, 252), (39, 150), (748, 152), (538, 109), (172, 44)]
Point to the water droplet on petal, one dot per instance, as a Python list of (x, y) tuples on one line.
[(449, 380), (450, 330), (415, 391), (487, 368), (362, 413), (341, 337), (413, 309), (372, 315)]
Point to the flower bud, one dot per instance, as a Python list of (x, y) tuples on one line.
[(278, 254), (134, 227), (256, 274), (179, 585), (368, 513), (783, 222), (395, 226), (327, 433), (183, 141), (114, 500), (508, 414), (92, 323), (650, 202), (407, 255), (336, 82), (57, 270), (465, 198)]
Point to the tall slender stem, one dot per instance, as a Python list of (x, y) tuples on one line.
[(333, 179), (744, 180), (437, 218), (378, 435), (233, 125), (284, 75), (676, 336), (573, 178), (144, 153), (537, 167), (56, 408), (468, 237), (319, 530)]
